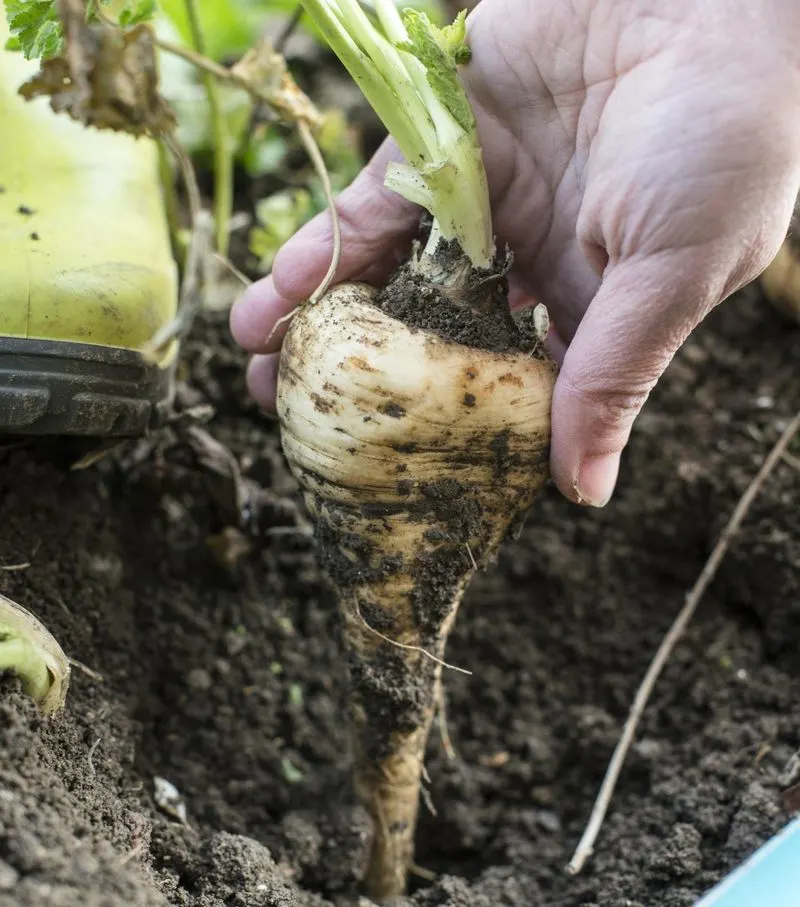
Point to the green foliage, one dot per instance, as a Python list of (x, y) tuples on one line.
[(407, 68), (441, 50), (281, 214), (36, 29), (134, 11), (230, 27)]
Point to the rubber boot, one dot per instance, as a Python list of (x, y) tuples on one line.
[(87, 274)]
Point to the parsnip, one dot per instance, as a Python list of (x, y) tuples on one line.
[(781, 279), (416, 417), (416, 455)]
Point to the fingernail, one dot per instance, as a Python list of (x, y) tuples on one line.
[(596, 479)]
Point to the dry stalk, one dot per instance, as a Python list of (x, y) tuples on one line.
[(586, 844)]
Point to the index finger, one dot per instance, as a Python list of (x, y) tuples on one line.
[(376, 225)]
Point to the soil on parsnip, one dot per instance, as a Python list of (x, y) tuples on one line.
[(474, 312), (216, 666)]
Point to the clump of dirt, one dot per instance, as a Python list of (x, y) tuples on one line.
[(226, 675), (471, 310)]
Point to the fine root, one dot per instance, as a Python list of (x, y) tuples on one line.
[(408, 648)]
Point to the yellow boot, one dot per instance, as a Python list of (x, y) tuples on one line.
[(86, 271)]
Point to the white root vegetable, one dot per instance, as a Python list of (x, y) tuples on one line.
[(781, 279), (416, 421), (417, 457)]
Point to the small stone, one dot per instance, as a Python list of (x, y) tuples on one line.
[(169, 799), (108, 567), (235, 641), (8, 876), (648, 749), (548, 820), (542, 795), (199, 680)]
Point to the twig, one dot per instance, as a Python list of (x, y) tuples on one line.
[(586, 844), (288, 30), (471, 556), (13, 568), (791, 460), (86, 670), (444, 727), (297, 108), (195, 276), (223, 156), (427, 874), (92, 751), (196, 59), (231, 268), (322, 171)]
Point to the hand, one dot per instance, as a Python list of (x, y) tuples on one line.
[(643, 160)]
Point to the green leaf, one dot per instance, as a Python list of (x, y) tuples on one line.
[(441, 50), (35, 27), (280, 216), (137, 11)]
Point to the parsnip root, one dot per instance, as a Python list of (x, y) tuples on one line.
[(417, 457), (781, 280)]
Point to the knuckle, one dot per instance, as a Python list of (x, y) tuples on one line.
[(612, 406)]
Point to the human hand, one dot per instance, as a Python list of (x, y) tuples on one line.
[(643, 162)]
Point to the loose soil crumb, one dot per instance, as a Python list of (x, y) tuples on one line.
[(229, 682)]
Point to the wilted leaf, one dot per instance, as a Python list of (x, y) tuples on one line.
[(106, 77), (263, 69)]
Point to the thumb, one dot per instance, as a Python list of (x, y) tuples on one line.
[(643, 311)]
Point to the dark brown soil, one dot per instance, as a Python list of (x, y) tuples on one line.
[(471, 310), (221, 667)]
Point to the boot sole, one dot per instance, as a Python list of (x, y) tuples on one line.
[(63, 388)]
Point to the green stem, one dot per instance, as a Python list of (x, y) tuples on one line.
[(23, 658), (223, 152)]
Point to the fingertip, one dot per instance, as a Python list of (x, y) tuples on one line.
[(262, 380), (588, 435)]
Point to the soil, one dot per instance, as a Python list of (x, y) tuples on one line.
[(471, 309), (214, 663)]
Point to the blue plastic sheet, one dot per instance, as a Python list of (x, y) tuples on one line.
[(770, 878)]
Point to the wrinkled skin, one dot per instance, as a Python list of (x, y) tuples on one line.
[(643, 160)]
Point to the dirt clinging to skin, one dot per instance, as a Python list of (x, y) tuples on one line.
[(472, 311), (227, 676)]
